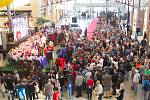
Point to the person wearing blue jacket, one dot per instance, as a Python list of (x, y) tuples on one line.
[(20, 88), (69, 88), (145, 88)]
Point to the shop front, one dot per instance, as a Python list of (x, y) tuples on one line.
[(4, 25)]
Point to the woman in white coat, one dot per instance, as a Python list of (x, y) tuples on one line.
[(99, 90)]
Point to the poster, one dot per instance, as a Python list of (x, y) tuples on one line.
[(20, 27)]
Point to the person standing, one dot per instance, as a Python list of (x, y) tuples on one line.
[(20, 87), (37, 90), (85, 32), (114, 82), (136, 79), (31, 88), (1, 88), (107, 83), (48, 90), (78, 83), (69, 88), (56, 94), (90, 85), (120, 89), (145, 88), (57, 85), (99, 90), (128, 68), (4, 54), (121, 66), (9, 82), (62, 83)]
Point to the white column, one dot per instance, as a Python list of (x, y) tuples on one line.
[(148, 23)]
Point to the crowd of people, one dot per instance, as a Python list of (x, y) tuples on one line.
[(34, 51), (100, 66)]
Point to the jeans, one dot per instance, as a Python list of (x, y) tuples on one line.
[(126, 77), (114, 86), (135, 86), (145, 95), (31, 95), (48, 97), (11, 93), (62, 91), (79, 91), (100, 97), (89, 93), (69, 92)]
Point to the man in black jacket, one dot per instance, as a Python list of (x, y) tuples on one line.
[(121, 66), (114, 82), (62, 83), (9, 82), (128, 68)]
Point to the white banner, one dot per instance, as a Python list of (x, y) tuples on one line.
[(20, 27)]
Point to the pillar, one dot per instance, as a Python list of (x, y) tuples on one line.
[(148, 24), (9, 18)]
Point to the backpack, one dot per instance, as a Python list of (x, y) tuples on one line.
[(147, 85)]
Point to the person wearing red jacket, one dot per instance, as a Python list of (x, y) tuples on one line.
[(60, 62), (56, 95), (90, 84)]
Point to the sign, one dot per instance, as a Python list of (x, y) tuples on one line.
[(4, 3), (20, 27), (16, 12)]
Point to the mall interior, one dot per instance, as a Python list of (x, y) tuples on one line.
[(74, 50)]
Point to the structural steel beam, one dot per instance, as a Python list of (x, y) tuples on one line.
[(51, 2)]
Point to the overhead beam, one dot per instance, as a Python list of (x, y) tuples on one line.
[(51, 2), (98, 5)]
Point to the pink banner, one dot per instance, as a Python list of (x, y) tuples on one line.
[(91, 29)]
